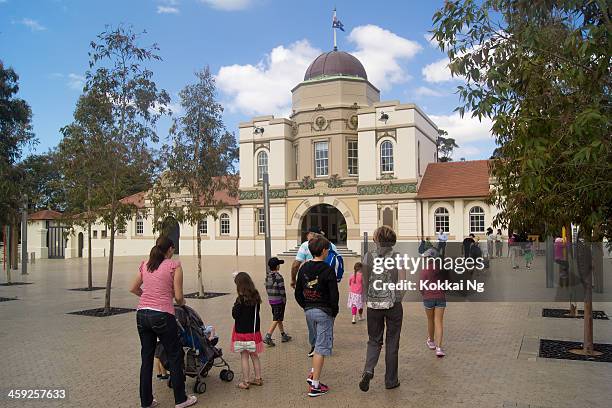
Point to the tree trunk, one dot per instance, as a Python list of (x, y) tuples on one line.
[(200, 280), (588, 313), (109, 276), (7, 255), (89, 268), (14, 246)]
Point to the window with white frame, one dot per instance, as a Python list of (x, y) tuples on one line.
[(224, 220), (261, 221), (121, 230), (386, 157), (321, 159), (203, 226), (139, 225), (441, 220), (262, 164), (352, 155), (477, 220)]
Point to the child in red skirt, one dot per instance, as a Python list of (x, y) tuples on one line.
[(246, 337)]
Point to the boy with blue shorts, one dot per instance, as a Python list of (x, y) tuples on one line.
[(316, 291)]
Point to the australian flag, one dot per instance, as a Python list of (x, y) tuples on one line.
[(337, 24)]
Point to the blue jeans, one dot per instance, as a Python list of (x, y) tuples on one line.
[(151, 326), (323, 327)]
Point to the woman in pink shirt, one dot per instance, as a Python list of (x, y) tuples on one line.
[(355, 302), (158, 281)]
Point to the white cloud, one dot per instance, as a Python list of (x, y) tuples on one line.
[(381, 52), (464, 130), (32, 24), (429, 38), (76, 82), (438, 71), (167, 10), (264, 88), (228, 5), (425, 91)]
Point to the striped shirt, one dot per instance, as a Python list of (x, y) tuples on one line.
[(275, 287)]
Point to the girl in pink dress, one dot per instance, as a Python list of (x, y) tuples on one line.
[(355, 302)]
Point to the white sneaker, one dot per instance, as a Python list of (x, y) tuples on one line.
[(191, 400), (354, 319)]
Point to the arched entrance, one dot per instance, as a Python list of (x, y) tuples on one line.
[(172, 229), (80, 244), (329, 219)]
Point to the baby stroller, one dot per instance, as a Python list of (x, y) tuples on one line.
[(201, 353)]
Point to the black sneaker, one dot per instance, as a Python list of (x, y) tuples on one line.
[(311, 352), (364, 384), (267, 340), (320, 390), (285, 337)]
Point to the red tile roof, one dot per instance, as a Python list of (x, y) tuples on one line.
[(137, 199), (45, 215), (455, 180)]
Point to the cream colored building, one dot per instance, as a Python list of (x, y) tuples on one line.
[(344, 161)]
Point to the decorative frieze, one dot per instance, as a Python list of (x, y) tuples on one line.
[(397, 188), (258, 194)]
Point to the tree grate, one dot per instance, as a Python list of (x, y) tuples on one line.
[(88, 289), (207, 295), (5, 299), (99, 312), (564, 314), (15, 283), (558, 349)]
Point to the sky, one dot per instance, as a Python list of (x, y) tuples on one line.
[(257, 49)]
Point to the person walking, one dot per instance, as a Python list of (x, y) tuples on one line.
[(303, 256), (275, 288), (246, 337), (491, 237), (355, 302), (316, 292), (434, 301), (384, 311), (158, 280), (499, 243)]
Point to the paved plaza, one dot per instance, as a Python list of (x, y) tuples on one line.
[(491, 360)]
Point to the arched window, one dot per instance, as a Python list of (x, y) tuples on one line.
[(441, 220), (224, 220), (386, 157), (477, 220), (203, 226), (139, 225), (262, 164)]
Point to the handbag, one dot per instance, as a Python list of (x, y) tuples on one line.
[(247, 345)]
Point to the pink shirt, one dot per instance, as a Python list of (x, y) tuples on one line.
[(430, 274), (355, 283), (158, 286)]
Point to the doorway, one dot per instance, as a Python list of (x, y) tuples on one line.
[(329, 219)]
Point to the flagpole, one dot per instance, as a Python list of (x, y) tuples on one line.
[(334, 28)]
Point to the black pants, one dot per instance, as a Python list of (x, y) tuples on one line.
[(151, 326), (377, 320)]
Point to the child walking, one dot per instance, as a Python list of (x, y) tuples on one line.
[(355, 302), (316, 291), (434, 302), (275, 287), (246, 337), (528, 253)]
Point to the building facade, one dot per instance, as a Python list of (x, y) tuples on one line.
[(344, 161)]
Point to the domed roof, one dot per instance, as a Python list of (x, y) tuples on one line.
[(335, 63)]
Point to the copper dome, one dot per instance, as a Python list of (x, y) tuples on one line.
[(335, 63)]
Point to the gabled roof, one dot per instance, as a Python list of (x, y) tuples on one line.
[(455, 180), (45, 215), (137, 199)]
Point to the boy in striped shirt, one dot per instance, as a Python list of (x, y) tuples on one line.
[(275, 287)]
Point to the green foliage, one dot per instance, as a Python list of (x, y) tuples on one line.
[(541, 72), (200, 157), (15, 134), (42, 181), (446, 145)]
